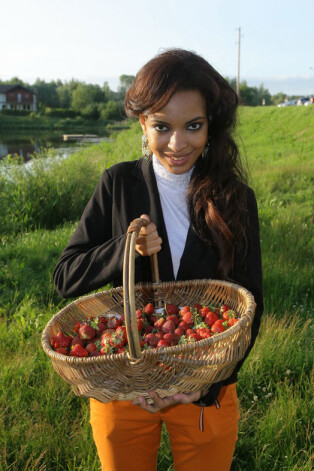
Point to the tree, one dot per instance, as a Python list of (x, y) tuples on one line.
[(125, 83), (47, 94), (108, 94), (14, 81), (279, 98), (251, 96), (64, 95), (114, 111), (86, 94)]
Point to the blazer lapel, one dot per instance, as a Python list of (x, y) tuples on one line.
[(198, 261)]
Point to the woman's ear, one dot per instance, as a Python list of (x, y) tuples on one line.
[(143, 123)]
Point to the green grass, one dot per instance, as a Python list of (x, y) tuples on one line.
[(44, 426)]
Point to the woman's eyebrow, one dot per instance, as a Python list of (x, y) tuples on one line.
[(155, 119), (198, 118)]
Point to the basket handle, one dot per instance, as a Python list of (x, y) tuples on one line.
[(128, 284)]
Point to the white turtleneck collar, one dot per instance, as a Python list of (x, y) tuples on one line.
[(172, 191)]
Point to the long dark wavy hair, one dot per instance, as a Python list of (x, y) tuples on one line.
[(216, 193)]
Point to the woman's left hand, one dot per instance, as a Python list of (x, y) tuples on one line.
[(161, 403)]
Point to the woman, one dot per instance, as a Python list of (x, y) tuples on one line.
[(203, 223)]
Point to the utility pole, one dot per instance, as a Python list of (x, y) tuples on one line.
[(238, 76)]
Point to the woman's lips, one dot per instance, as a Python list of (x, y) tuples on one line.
[(178, 159)]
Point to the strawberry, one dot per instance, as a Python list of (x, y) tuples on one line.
[(149, 308), (198, 307), (113, 322), (172, 309), (139, 314), (61, 340), (122, 329), (96, 353), (117, 339), (106, 336), (168, 326), (102, 319), (101, 327), (171, 339), (211, 318), (91, 347), (232, 321), (151, 340), (62, 350), (183, 325), (174, 319), (87, 332), (106, 349), (77, 327), (78, 341), (218, 327), (204, 332), (184, 309), (179, 332), (225, 308), (159, 323), (121, 349), (162, 344), (188, 318), (148, 329), (78, 351), (205, 310), (159, 335), (140, 324), (190, 331), (226, 315), (194, 337), (152, 319)]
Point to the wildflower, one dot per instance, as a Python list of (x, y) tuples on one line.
[(288, 372), (255, 398)]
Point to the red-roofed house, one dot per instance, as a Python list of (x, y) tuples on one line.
[(17, 97)]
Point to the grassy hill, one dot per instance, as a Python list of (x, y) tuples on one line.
[(44, 425)]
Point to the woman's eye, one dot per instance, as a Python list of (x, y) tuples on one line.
[(161, 127), (194, 126)]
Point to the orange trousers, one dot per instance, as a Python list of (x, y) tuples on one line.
[(127, 437)]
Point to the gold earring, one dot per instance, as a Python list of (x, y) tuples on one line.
[(145, 148)]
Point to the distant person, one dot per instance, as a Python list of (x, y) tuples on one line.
[(203, 223)]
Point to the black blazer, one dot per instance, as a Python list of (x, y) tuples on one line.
[(94, 255)]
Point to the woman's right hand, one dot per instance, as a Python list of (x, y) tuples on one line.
[(148, 240)]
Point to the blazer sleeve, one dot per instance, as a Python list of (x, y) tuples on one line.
[(94, 255)]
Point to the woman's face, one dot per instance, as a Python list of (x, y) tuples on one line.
[(178, 132)]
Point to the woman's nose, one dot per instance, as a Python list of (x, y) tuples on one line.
[(177, 142)]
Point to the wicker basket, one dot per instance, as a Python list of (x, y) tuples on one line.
[(125, 376)]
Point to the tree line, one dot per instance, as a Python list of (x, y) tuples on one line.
[(77, 98), (92, 101)]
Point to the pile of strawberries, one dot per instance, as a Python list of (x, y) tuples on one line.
[(104, 335)]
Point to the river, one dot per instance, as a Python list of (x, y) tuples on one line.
[(26, 143)]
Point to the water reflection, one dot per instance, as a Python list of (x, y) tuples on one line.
[(25, 144)]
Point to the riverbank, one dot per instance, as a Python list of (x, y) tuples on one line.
[(34, 121)]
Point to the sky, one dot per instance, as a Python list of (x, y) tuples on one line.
[(99, 40)]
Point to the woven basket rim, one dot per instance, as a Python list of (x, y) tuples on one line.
[(154, 352)]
